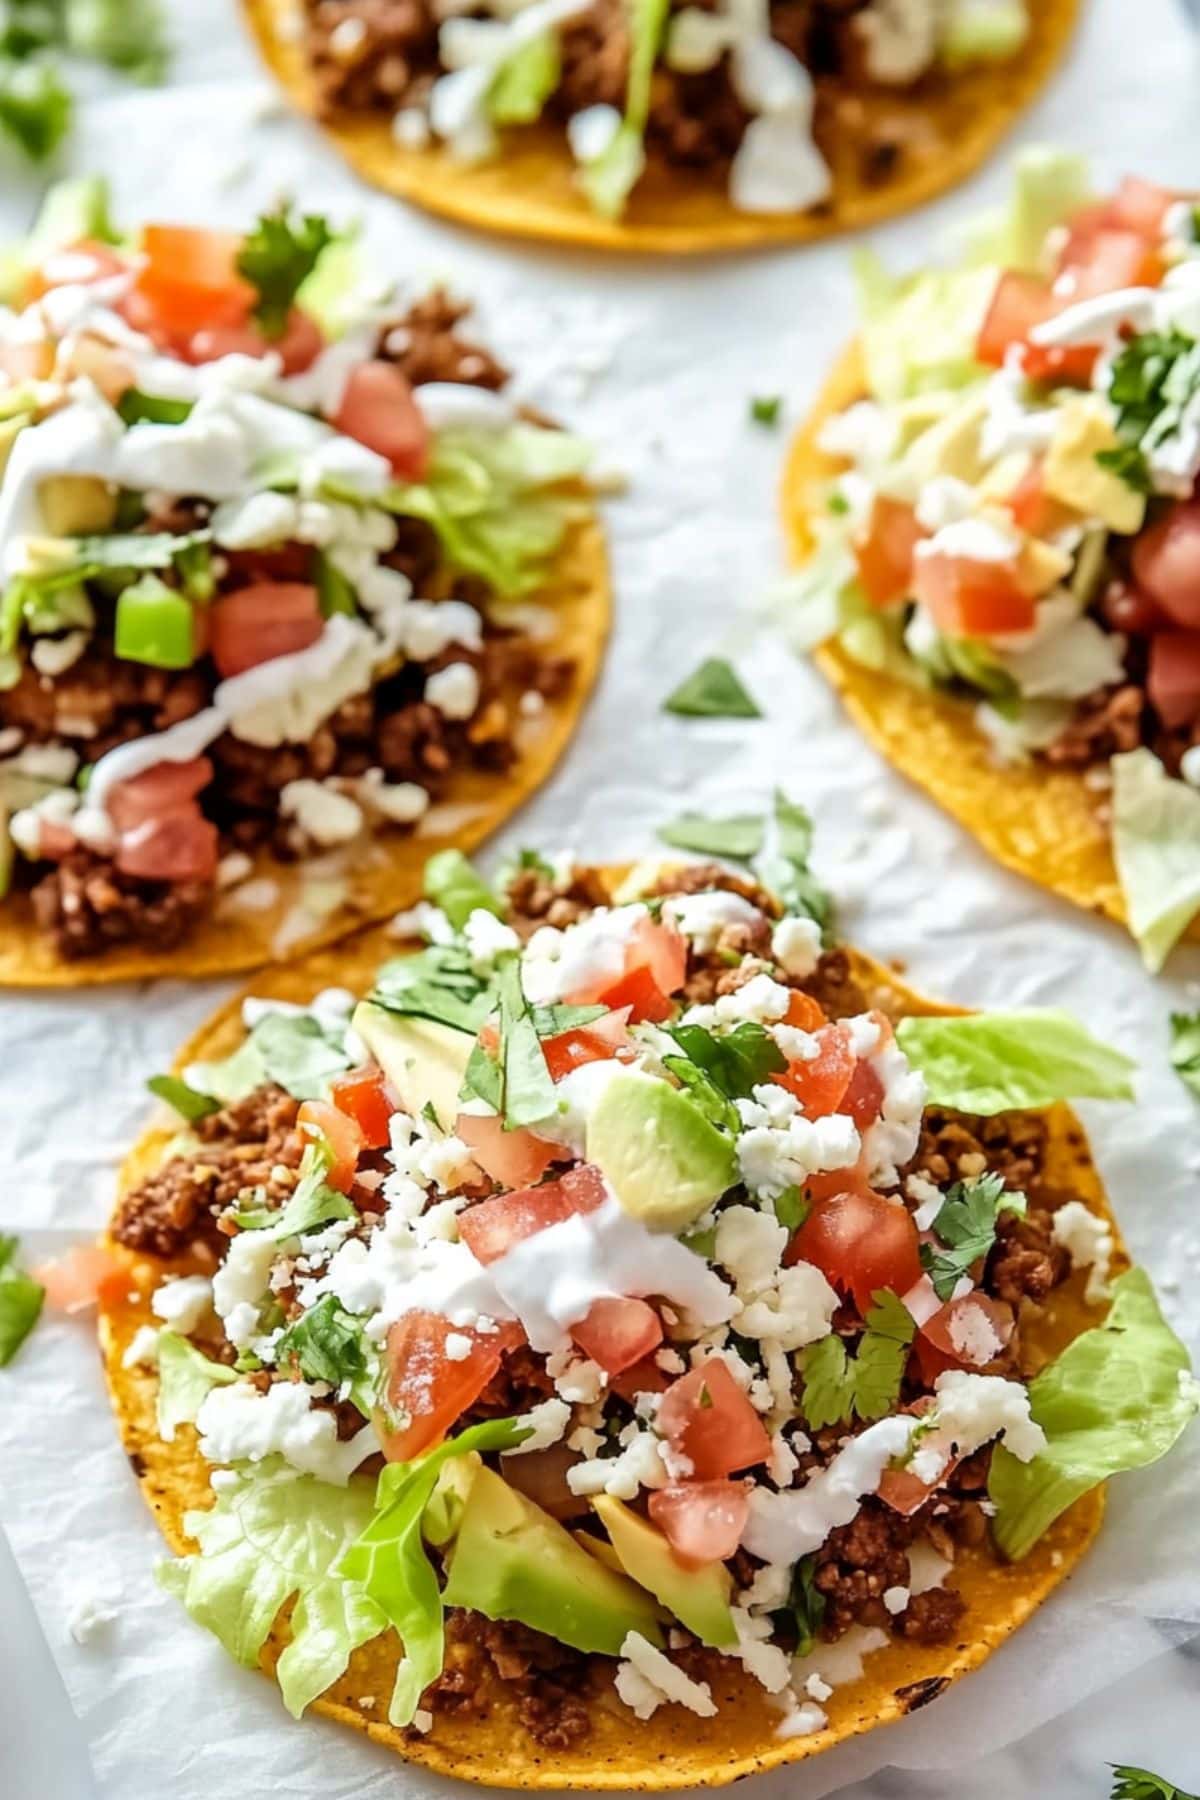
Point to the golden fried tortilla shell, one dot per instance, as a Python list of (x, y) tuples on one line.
[(1042, 822), (675, 1749), (947, 126), (316, 903)]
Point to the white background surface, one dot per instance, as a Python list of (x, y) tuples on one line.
[(657, 361)]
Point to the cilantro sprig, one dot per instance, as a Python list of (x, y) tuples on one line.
[(966, 1228), (838, 1385), (1139, 1784), (277, 258), (1155, 377), (777, 850), (36, 104)]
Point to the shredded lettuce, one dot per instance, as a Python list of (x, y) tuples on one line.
[(525, 82), (1000, 1061), (1116, 1399), (455, 885), (489, 496), (274, 1536), (608, 179), (185, 1377), (811, 606), (920, 333), (388, 1564), (975, 31), (1049, 186), (1156, 844)]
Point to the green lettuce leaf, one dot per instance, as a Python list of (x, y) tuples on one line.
[(920, 333), (973, 33), (437, 983), (311, 1203), (293, 1049), (489, 495), (275, 1536), (738, 837), (608, 179), (1116, 1399), (35, 107), (185, 1377), (21, 1300), (1139, 1784), (735, 1062), (1156, 844), (1048, 187), (129, 35), (453, 883), (389, 1563), (529, 1093), (994, 1062), (525, 82)]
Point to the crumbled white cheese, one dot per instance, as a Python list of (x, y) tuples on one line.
[(324, 815), (1088, 1240), (785, 1526), (749, 1245), (488, 938), (639, 1465), (900, 38), (90, 1612), (141, 1348), (648, 1680), (705, 918), (239, 1424), (796, 946), (454, 690), (892, 1140), (240, 1284), (588, 955), (458, 1346), (183, 1303), (796, 1310), (971, 1410), (548, 1421), (895, 1599), (779, 1148)]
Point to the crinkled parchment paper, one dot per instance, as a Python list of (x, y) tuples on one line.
[(659, 365)]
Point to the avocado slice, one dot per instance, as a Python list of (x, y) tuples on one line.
[(76, 505), (698, 1598), (663, 1160), (511, 1560), (424, 1061)]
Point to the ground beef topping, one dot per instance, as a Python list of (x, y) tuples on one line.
[(87, 905), (551, 1681)]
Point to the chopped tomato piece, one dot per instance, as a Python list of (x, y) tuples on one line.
[(861, 1243), (378, 409), (427, 1389), (187, 281), (515, 1159), (903, 1491), (297, 347), (617, 1333), (1173, 682), (1033, 509), (1103, 260), (655, 966), (804, 1012), (1166, 563), (1019, 303), (343, 1135), (703, 1521), (972, 599), (884, 553), (363, 1095), (166, 788), (85, 1275), (640, 994), (863, 1099), (255, 624), (1141, 206), (181, 846), (967, 1333), (74, 265), (596, 1042), (492, 1227), (643, 1377), (706, 1417), (820, 1084), (541, 1475)]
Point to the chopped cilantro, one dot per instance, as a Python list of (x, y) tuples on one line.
[(782, 867), (277, 258), (335, 591), (326, 1344), (712, 692), (837, 503), (20, 1302), (137, 408), (437, 983), (1185, 1048), (35, 107), (528, 1090), (1153, 380), (765, 409), (837, 1385), (806, 1603), (1139, 1784), (737, 1062), (966, 1226)]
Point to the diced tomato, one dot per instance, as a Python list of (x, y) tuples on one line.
[(181, 846), (967, 1333), (863, 1099), (516, 1159), (820, 1085), (641, 995), (427, 1389), (1103, 260), (85, 1275), (972, 599), (596, 1042), (54, 841), (1166, 563), (617, 1333), (187, 281), (257, 623), (298, 346), (655, 966), (831, 1182), (1033, 509), (703, 1521), (804, 1012), (166, 788), (363, 1095), (1173, 681), (342, 1134), (861, 1243), (541, 1475), (884, 553), (1141, 206), (74, 265), (903, 1491), (706, 1417), (1018, 304), (378, 410), (492, 1227), (643, 1377)]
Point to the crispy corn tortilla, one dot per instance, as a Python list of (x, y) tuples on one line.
[(1041, 821), (320, 901), (949, 124), (675, 1749)]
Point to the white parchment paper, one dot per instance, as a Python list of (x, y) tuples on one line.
[(658, 362)]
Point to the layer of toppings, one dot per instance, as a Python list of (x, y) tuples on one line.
[(254, 527), (1017, 523), (639, 1258), (757, 91)]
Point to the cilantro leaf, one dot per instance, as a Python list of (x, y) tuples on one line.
[(437, 983), (1139, 1784), (806, 1603), (312, 1202), (137, 408), (189, 1104), (714, 691), (837, 1385), (1185, 1048), (326, 1344), (736, 1063), (483, 1079), (335, 591), (704, 1093), (738, 837), (765, 409), (21, 1300), (1153, 381), (35, 107), (791, 1208), (528, 1090), (784, 868), (277, 258), (966, 1226)]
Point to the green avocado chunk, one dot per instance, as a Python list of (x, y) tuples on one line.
[(663, 1160), (424, 1061), (511, 1560), (698, 1598)]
